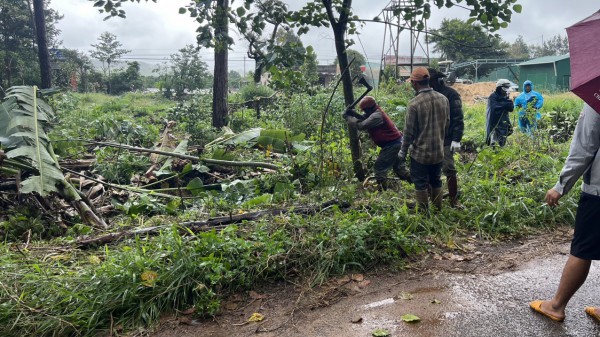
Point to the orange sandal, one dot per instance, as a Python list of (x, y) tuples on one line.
[(537, 306), (592, 312)]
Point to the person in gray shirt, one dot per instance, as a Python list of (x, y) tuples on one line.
[(583, 161)]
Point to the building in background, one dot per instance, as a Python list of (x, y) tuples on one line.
[(403, 63), (548, 73)]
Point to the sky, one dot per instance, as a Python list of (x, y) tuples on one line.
[(153, 31)]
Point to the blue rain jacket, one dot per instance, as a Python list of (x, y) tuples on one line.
[(526, 98)]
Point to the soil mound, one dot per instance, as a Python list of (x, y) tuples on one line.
[(476, 92)]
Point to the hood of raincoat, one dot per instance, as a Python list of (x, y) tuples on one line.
[(525, 98)]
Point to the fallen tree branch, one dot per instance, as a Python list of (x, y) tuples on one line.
[(198, 226), (188, 157), (127, 188)]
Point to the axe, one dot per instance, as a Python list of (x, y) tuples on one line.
[(368, 86)]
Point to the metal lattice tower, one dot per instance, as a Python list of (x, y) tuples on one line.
[(395, 24)]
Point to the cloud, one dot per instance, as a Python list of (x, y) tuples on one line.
[(154, 30)]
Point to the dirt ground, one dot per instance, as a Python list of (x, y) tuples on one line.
[(477, 92), (356, 304)]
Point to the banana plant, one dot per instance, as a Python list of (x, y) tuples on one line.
[(24, 119)]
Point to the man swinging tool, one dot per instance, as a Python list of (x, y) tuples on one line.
[(384, 134)]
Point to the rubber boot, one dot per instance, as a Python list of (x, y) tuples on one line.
[(422, 199), (382, 184), (402, 173), (452, 183), (436, 198)]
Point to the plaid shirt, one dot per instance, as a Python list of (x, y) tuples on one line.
[(427, 121)]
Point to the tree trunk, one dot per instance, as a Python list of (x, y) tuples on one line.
[(220, 85), (258, 70), (7, 61), (40, 28), (108, 84), (339, 33)]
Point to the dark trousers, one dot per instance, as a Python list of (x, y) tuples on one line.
[(423, 175), (387, 159)]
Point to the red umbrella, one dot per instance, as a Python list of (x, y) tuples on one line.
[(584, 50)]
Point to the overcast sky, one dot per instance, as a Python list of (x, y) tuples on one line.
[(153, 31)]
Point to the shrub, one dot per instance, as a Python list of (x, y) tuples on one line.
[(194, 117), (255, 91), (559, 116)]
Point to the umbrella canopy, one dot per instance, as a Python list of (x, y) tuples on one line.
[(584, 50)]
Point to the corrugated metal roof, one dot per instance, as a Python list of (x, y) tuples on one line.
[(544, 60)]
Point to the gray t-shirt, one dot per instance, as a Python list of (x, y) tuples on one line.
[(583, 155)]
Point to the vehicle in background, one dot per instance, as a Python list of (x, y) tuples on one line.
[(451, 78), (463, 81)]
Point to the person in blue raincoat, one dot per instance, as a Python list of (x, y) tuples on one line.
[(529, 102), (498, 126)]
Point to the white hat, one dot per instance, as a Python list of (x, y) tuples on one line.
[(503, 83)]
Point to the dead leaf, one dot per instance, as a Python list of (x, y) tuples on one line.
[(356, 319), (149, 278), (185, 320), (351, 288), (236, 298), (230, 305), (189, 311), (453, 257), (358, 277), (256, 296), (256, 317), (343, 280), (405, 296), (380, 333), (364, 284), (410, 318)]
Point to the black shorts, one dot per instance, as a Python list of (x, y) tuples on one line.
[(586, 240)]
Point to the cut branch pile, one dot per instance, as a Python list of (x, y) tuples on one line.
[(199, 226)]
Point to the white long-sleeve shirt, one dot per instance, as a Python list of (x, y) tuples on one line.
[(583, 159)]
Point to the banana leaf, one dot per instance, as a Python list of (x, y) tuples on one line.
[(24, 118), (28, 142), (274, 139)]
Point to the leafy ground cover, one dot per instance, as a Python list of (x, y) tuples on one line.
[(51, 287)]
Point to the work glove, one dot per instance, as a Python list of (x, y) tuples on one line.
[(455, 146), (350, 113)]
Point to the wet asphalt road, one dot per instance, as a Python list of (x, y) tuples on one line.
[(497, 305), (448, 304)]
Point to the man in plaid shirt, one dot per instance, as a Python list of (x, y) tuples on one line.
[(427, 121)]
